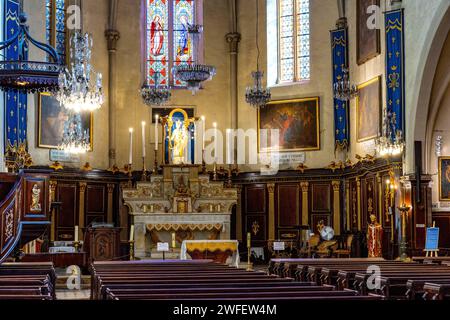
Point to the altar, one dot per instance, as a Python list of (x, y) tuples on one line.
[(180, 204)]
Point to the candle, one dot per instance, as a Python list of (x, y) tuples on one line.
[(203, 132), (143, 140), (156, 132), (249, 240), (76, 233), (215, 142), (229, 146), (173, 240), (130, 158), (132, 232)]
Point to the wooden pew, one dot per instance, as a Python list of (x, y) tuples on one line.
[(436, 291)]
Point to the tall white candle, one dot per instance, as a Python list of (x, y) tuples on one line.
[(132, 232), (156, 132), (215, 142), (203, 132), (76, 233), (229, 146), (130, 158), (144, 153)]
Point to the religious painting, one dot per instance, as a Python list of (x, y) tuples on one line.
[(368, 110), (444, 178), (297, 122), (52, 119), (368, 34)]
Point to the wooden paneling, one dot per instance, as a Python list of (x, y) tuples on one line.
[(442, 220), (255, 197), (66, 217), (288, 205), (321, 197), (95, 199), (255, 215)]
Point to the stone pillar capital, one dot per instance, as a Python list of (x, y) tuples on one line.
[(112, 36), (233, 39)]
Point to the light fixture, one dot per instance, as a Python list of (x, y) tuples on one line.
[(391, 143), (75, 139), (77, 92), (438, 145), (194, 74), (343, 89), (257, 96), (28, 76), (155, 94)]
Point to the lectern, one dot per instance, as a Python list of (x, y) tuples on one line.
[(102, 243)]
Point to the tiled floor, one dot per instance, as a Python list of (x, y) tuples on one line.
[(73, 294)]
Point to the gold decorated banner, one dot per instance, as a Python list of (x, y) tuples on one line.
[(184, 227), (212, 246)]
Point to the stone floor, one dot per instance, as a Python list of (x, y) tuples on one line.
[(64, 294)]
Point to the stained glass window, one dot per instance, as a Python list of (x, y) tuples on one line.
[(55, 21), (168, 41), (288, 29)]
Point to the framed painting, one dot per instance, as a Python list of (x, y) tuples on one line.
[(444, 178), (298, 122), (51, 120), (368, 110), (368, 39)]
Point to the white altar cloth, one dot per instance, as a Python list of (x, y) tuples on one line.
[(234, 260)]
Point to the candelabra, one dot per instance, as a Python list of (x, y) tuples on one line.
[(343, 89), (144, 170), (228, 174), (131, 242)]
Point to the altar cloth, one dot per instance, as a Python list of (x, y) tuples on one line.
[(212, 246)]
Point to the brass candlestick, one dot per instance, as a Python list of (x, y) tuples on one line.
[(131, 242), (130, 176), (215, 171), (76, 245), (144, 170), (155, 164), (249, 247)]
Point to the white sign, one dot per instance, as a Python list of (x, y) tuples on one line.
[(278, 246), (163, 247), (63, 156), (292, 159)]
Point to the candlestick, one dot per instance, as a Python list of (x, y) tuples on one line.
[(76, 233), (155, 164), (249, 245), (131, 250), (143, 140), (129, 170), (130, 158), (156, 132), (144, 170), (174, 244)]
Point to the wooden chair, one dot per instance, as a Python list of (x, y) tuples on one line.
[(347, 250)]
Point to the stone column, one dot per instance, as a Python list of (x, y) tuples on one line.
[(271, 189), (233, 39), (305, 210), (337, 206), (52, 198), (81, 204), (358, 197), (111, 188), (112, 36)]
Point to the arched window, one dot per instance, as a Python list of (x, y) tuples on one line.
[(55, 22), (288, 41), (167, 40)]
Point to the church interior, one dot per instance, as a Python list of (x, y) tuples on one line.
[(225, 149)]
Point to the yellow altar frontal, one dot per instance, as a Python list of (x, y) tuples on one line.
[(223, 251)]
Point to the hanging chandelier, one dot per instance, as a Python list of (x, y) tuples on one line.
[(391, 143), (343, 89), (27, 76), (257, 96), (155, 95), (75, 140), (77, 91), (194, 74)]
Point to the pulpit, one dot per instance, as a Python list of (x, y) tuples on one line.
[(102, 243)]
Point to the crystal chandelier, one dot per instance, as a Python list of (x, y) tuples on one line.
[(343, 89), (76, 90), (155, 95), (194, 74), (257, 96), (28, 76), (391, 142), (75, 139)]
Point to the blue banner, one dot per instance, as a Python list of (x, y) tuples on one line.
[(15, 103), (395, 71), (339, 46)]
